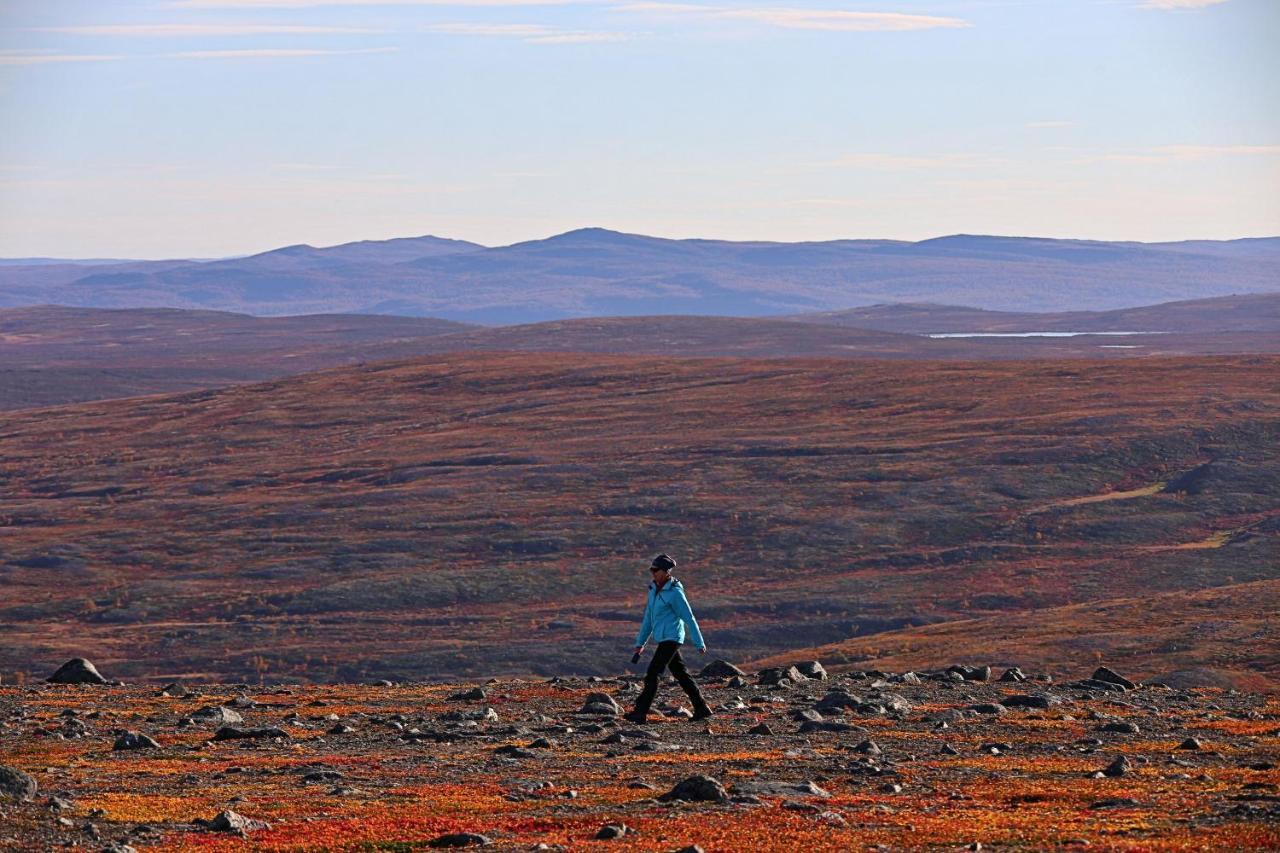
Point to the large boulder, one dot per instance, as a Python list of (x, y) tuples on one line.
[(1110, 676), (77, 671), (720, 669), (16, 786), (812, 669), (698, 789), (776, 675), (599, 702), (971, 673)]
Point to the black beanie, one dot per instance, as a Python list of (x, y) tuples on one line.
[(662, 561)]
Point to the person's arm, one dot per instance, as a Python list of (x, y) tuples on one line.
[(646, 626), (686, 613)]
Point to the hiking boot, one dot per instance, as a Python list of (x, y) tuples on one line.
[(702, 713), (636, 717)]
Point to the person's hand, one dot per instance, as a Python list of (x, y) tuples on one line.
[(702, 650), (638, 649)]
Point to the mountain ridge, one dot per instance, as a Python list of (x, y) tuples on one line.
[(598, 272)]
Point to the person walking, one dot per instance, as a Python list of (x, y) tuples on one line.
[(667, 619)]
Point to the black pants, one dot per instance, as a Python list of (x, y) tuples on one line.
[(666, 656)]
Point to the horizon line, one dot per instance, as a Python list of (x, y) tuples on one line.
[(10, 259)]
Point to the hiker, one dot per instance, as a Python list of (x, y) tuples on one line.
[(667, 616)]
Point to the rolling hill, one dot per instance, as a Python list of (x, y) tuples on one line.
[(485, 513), (595, 272)]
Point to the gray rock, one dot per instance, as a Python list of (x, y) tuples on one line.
[(1013, 673), (1031, 700), (16, 785), (216, 715), (134, 740), (720, 669), (775, 676), (76, 671), (812, 669), (460, 839), (229, 821), (760, 729), (1191, 743), (475, 694), (610, 831), (1124, 728), (868, 747), (697, 789), (990, 708), (971, 673), (780, 789), (827, 726), (233, 733), (1117, 768), (1110, 676)]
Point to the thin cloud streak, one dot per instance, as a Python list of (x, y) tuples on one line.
[(317, 4), (1180, 4), (270, 53), (1185, 153), (838, 20), (529, 33), (164, 30), (52, 58)]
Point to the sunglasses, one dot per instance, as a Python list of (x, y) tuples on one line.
[(656, 569)]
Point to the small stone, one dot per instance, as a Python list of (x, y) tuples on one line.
[(760, 729), (1013, 673), (993, 709), (1191, 743), (868, 747), (475, 694)]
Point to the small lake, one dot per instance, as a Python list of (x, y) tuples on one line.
[(1032, 334)]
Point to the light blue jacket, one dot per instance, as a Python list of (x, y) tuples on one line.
[(667, 615)]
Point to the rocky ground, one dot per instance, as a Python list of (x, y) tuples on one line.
[(951, 759)]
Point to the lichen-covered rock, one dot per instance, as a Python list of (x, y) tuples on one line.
[(16, 785)]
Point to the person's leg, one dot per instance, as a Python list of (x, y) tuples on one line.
[(661, 657), (690, 686)]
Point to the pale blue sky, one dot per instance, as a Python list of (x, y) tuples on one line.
[(163, 128)]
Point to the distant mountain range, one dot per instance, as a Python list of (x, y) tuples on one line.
[(593, 272)]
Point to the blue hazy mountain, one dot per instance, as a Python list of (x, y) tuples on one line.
[(597, 272)]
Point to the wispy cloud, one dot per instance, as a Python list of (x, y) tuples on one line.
[(1044, 125), (1180, 4), (30, 58), (897, 162), (531, 33), (805, 19), (163, 30), (1185, 153), (315, 4), (270, 53)]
